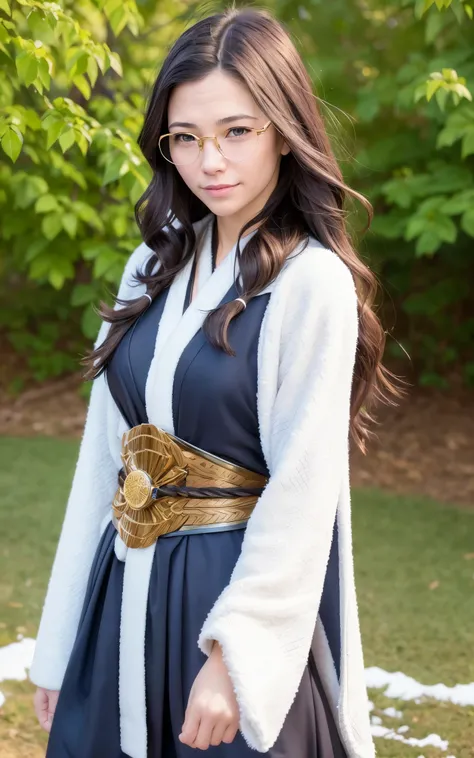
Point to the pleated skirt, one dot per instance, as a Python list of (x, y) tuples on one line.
[(189, 572)]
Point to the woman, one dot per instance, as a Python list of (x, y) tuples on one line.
[(239, 333)]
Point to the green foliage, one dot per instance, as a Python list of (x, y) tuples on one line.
[(397, 77), (73, 82), (405, 75)]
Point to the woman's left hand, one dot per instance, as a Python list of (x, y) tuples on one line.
[(212, 715)]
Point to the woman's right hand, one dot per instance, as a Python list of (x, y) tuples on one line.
[(45, 706)]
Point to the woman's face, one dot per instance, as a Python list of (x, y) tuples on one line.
[(254, 174)]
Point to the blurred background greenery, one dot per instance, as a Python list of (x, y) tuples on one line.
[(394, 80)]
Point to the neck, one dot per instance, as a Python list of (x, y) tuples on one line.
[(228, 229)]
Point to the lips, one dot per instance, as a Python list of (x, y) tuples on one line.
[(219, 186)]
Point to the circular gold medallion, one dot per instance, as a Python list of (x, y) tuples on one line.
[(137, 489)]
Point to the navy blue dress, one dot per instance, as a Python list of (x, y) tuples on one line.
[(214, 408)]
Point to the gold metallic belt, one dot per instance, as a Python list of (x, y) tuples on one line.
[(168, 485)]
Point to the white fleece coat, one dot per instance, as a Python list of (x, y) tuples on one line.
[(266, 619)]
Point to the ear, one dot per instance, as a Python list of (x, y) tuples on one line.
[(285, 149)]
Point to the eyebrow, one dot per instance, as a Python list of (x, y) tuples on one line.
[(221, 121)]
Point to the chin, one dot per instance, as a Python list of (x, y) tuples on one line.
[(220, 209), (223, 208)]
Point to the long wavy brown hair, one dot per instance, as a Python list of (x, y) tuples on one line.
[(309, 198)]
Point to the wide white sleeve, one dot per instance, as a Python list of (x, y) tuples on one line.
[(92, 491), (265, 618)]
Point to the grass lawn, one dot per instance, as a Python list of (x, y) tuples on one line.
[(414, 573)]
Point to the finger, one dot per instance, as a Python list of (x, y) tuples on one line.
[(218, 733), (190, 727), (203, 738), (51, 710), (49, 719), (229, 734), (41, 707)]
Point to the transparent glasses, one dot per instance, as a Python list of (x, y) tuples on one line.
[(238, 144)]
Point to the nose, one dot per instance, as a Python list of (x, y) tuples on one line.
[(211, 158)]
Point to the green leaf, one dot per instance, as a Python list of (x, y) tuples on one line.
[(110, 6), (32, 153), (457, 9), (88, 214), (82, 143), (5, 7), (415, 227), (83, 294), (115, 169), (32, 119), (90, 322), (80, 66), (116, 63), (35, 248), (118, 19), (120, 225), (445, 228), (459, 203), (69, 171), (427, 244), (114, 273), (67, 139), (40, 29), (51, 225), (104, 262), (431, 87), (445, 177), (92, 70), (27, 68), (368, 106), (46, 204), (40, 267), (462, 91), (43, 73), (4, 38), (12, 141), (434, 25), (69, 221), (468, 145), (419, 92), (389, 225), (448, 137), (467, 222), (55, 128), (441, 98), (82, 85), (92, 250), (56, 278)]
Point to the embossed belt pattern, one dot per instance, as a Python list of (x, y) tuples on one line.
[(168, 485)]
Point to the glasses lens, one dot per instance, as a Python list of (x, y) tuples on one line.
[(239, 145), (179, 149)]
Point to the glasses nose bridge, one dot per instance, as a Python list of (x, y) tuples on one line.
[(213, 138)]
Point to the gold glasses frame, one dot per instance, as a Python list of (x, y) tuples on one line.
[(201, 141)]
